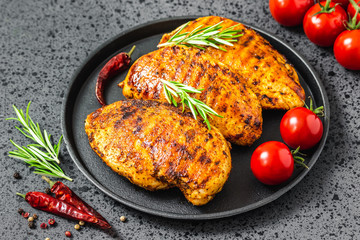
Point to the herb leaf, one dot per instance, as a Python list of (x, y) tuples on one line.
[(45, 162), (175, 89), (207, 36)]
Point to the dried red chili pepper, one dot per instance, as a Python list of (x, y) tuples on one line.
[(64, 193), (47, 203), (116, 64)]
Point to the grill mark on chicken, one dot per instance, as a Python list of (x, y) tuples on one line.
[(247, 41), (127, 115)]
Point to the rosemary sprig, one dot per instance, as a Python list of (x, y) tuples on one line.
[(32, 131), (46, 162), (207, 36), (38, 159), (175, 89)]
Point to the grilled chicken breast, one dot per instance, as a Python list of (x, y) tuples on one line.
[(157, 146), (224, 90), (268, 74)]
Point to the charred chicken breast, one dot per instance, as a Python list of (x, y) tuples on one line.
[(223, 90), (157, 146), (267, 72)]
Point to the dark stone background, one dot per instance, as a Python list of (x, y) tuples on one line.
[(42, 43)]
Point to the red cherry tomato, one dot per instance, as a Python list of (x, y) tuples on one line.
[(272, 163), (351, 10), (323, 28), (347, 49), (289, 12), (301, 127), (343, 3)]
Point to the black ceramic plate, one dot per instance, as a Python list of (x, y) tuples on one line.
[(241, 193)]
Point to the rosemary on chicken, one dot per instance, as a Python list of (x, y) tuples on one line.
[(175, 89), (207, 36), (42, 154)]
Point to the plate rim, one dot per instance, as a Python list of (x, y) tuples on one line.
[(201, 216)]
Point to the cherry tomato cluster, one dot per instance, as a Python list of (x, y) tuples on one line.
[(326, 23), (301, 128)]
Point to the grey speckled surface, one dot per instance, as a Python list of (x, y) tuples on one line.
[(42, 43)]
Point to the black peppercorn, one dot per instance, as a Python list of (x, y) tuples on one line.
[(20, 211), (17, 175), (47, 191), (31, 225)]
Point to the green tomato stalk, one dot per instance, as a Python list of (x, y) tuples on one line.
[(351, 24)]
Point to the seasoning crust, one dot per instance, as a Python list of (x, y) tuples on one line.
[(224, 90), (267, 72), (157, 146)]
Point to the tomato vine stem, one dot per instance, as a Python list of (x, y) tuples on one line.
[(352, 23), (297, 159), (326, 8), (319, 111)]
